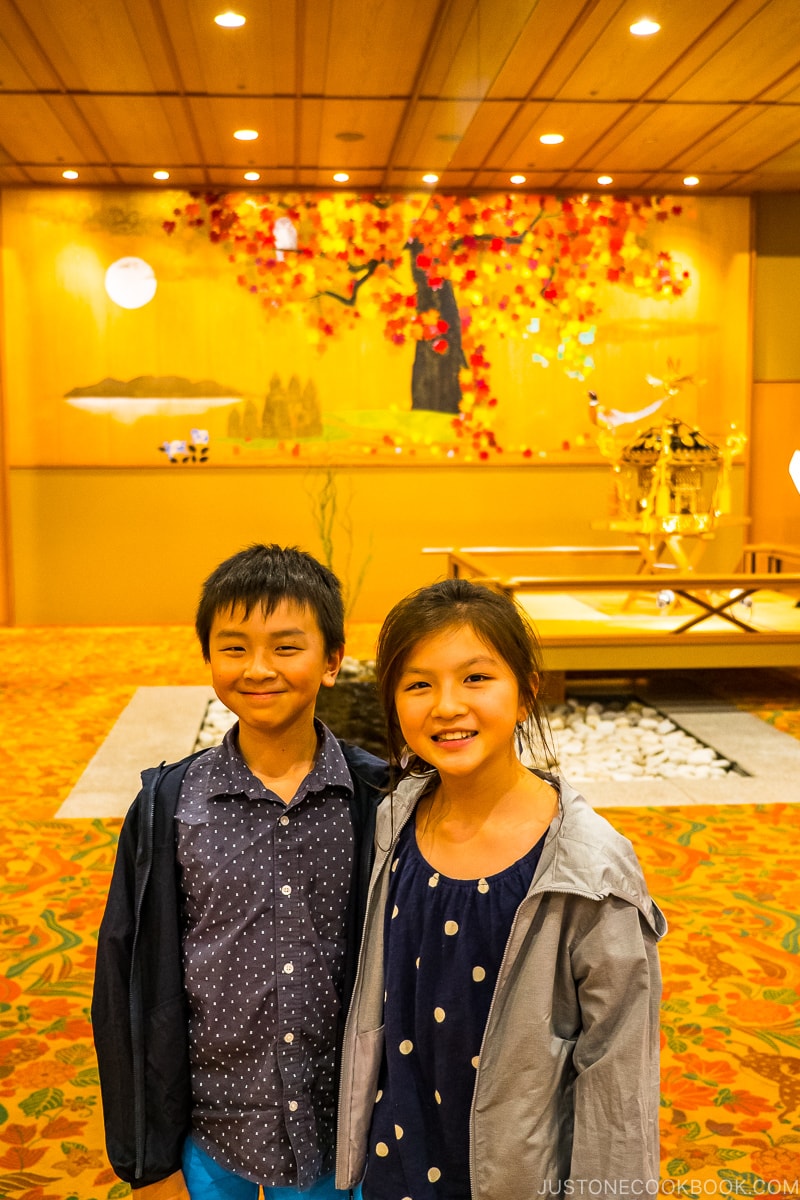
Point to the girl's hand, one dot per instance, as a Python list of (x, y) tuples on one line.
[(172, 1188)]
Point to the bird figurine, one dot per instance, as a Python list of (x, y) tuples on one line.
[(612, 418), (673, 381)]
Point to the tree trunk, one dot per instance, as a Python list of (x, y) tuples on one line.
[(434, 378)]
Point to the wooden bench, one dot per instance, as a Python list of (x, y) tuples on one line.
[(461, 561), (608, 636), (698, 590), (775, 555)]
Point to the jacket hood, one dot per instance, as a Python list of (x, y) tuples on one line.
[(583, 853)]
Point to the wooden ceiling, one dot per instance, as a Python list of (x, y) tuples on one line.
[(387, 90)]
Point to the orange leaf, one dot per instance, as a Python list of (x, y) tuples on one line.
[(61, 1127), (18, 1135), (22, 1156), (107, 1176)]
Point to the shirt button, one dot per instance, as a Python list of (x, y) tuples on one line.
[(284, 820), (288, 968), (292, 1106), (286, 889), (288, 1037)]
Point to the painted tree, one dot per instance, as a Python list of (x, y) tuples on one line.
[(234, 423), (251, 426), (441, 272)]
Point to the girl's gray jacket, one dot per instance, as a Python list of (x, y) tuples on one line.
[(566, 1093)]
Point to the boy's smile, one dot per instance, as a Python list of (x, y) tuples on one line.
[(268, 669)]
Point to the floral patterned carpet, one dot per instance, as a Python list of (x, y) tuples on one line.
[(725, 877)]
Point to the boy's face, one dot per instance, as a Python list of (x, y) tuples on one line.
[(268, 670)]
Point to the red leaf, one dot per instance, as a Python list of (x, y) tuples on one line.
[(440, 346)]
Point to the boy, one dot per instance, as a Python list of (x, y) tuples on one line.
[(227, 951)]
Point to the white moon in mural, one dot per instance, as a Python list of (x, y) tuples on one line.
[(131, 282)]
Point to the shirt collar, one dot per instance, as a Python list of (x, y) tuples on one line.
[(226, 774)]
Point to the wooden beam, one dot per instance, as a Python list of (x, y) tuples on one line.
[(6, 578)]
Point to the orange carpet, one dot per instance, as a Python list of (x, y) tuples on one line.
[(726, 877)]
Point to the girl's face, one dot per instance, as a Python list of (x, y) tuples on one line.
[(458, 703)]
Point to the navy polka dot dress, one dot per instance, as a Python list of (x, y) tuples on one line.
[(444, 942)]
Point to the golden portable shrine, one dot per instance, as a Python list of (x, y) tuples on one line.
[(669, 479)]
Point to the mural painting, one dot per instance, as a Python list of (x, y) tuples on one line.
[(242, 328)]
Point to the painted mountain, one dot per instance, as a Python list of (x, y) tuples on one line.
[(151, 395)]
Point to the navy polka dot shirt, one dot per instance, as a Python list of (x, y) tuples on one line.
[(265, 888), (444, 942)]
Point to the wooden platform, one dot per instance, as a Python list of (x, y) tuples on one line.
[(615, 622)]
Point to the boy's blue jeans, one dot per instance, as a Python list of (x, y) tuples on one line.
[(207, 1180)]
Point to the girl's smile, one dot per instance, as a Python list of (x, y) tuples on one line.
[(458, 703)]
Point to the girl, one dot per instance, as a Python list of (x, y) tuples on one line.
[(503, 1038)]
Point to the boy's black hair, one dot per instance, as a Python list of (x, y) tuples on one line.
[(266, 575)]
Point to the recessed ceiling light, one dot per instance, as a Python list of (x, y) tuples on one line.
[(605, 180), (551, 139), (430, 178), (246, 135), (252, 176), (69, 174), (160, 174), (645, 27), (691, 181), (341, 177), (230, 20), (517, 179)]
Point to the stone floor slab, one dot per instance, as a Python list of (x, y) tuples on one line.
[(159, 724), (162, 724)]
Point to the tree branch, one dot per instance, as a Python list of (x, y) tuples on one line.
[(350, 302), (513, 240)]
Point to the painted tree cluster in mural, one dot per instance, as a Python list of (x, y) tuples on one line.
[(288, 411), (441, 272)]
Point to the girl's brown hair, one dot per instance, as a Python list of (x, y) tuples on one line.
[(495, 619)]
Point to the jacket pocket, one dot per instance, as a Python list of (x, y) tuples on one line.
[(367, 1058), (167, 1064)]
